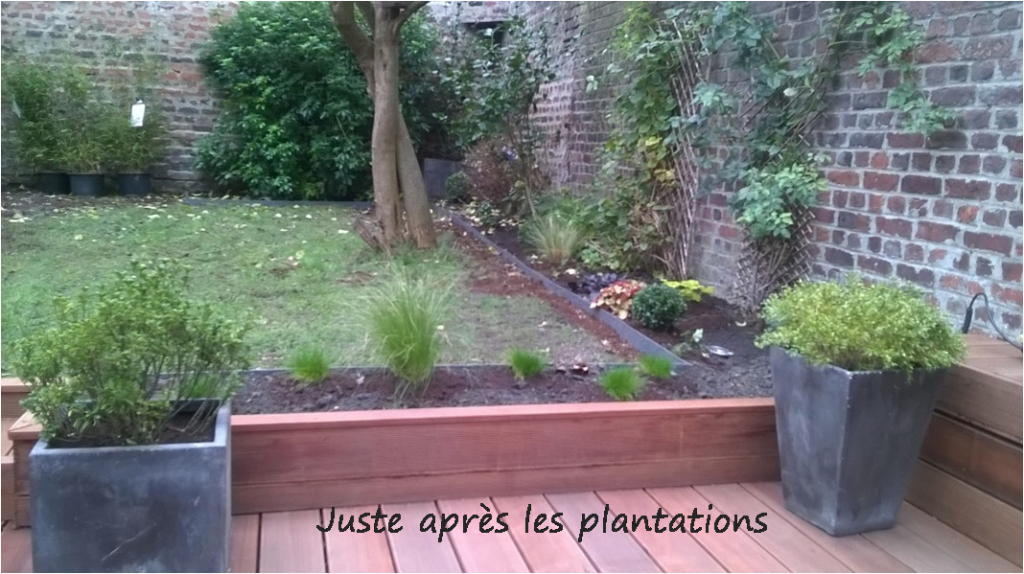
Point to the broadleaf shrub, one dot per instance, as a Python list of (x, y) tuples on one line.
[(657, 306), (296, 119), (859, 326), (118, 360)]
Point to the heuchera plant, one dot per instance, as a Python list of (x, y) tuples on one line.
[(618, 297)]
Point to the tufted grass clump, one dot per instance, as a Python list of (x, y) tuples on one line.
[(554, 238), (404, 323), (622, 384), (309, 365), (655, 366), (859, 326), (525, 364)]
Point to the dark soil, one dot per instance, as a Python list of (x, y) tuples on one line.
[(744, 374), (180, 429), (450, 387)]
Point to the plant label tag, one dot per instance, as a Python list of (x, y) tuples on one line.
[(138, 113)]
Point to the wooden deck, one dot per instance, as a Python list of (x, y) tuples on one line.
[(289, 541)]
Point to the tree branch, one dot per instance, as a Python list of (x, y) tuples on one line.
[(355, 39), (410, 9), (366, 8)]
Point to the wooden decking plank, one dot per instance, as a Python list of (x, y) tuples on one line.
[(736, 551), (415, 551), (478, 551), (916, 552), (787, 543), (245, 543), (290, 542), (856, 552), (16, 555), (986, 519), (963, 548), (543, 552), (984, 399), (609, 552), (5, 441), (981, 459), (673, 551), (352, 551)]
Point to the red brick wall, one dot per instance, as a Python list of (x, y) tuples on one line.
[(170, 31), (943, 213)]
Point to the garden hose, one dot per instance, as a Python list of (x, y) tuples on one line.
[(970, 315)]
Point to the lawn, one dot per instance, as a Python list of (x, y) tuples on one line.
[(294, 271)]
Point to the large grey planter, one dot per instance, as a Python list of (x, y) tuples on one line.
[(159, 508), (436, 173), (848, 441)]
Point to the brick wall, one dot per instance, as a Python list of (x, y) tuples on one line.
[(173, 32), (943, 213)]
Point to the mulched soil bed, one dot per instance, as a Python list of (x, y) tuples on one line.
[(745, 374), (449, 387)]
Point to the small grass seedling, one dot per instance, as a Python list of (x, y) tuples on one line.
[(655, 366), (525, 364), (622, 384), (556, 240), (309, 365)]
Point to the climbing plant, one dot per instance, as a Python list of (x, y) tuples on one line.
[(751, 134)]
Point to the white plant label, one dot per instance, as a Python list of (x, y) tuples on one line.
[(138, 113)]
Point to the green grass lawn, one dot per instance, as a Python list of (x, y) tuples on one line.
[(295, 271)]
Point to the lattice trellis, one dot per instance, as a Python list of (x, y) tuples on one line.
[(768, 265)]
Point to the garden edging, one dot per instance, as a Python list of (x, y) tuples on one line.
[(638, 340)]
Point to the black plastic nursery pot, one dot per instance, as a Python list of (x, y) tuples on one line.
[(137, 184), (86, 184), (153, 508), (53, 183), (848, 440)]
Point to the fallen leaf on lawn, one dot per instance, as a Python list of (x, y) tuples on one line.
[(343, 231), (78, 237)]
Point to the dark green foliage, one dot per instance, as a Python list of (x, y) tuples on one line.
[(657, 306), (525, 364), (456, 188), (309, 365), (622, 384), (860, 326), (655, 366), (117, 359), (296, 118)]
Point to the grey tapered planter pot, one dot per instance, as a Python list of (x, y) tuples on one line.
[(155, 508), (848, 440)]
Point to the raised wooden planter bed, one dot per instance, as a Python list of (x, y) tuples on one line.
[(312, 460)]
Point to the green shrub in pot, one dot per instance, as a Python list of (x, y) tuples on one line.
[(131, 151), (131, 386), (856, 370)]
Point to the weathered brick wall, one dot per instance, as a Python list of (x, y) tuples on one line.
[(172, 32), (943, 213)]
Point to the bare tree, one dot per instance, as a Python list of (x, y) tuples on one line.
[(398, 186)]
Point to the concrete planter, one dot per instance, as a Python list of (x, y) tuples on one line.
[(848, 441), (436, 173), (156, 508)]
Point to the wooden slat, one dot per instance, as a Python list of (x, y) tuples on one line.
[(7, 495), (989, 521), (989, 401), (290, 542), (543, 552), (396, 443), (5, 441), (608, 551), (245, 541), (785, 542), (410, 487), (415, 551), (478, 551), (16, 553), (356, 552), (736, 551), (980, 459), (916, 552), (952, 542), (856, 552), (12, 392), (675, 551)]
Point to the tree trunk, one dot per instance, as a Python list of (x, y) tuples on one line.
[(414, 190), (386, 189)]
